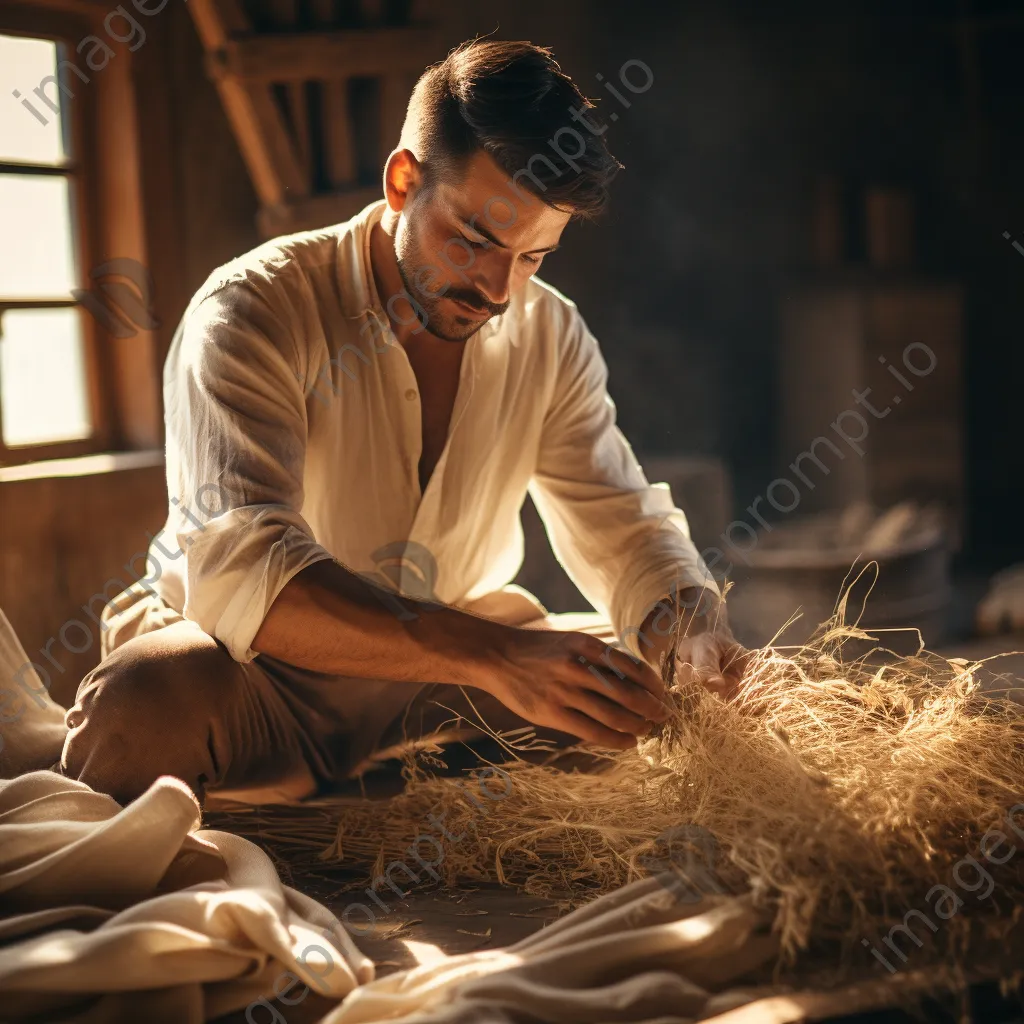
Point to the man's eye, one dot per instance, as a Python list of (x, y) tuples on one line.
[(474, 245), (533, 260)]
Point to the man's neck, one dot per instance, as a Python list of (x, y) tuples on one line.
[(387, 279)]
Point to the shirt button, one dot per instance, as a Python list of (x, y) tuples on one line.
[(410, 393)]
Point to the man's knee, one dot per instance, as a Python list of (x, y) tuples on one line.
[(155, 678), (137, 713)]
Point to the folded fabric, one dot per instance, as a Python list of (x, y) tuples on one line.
[(128, 914), (637, 954), (32, 728)]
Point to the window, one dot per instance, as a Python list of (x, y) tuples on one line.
[(49, 376)]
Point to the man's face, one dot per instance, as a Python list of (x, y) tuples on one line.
[(464, 248)]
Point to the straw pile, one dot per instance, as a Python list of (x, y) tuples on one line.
[(840, 791)]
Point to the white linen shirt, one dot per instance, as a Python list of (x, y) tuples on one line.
[(294, 434)]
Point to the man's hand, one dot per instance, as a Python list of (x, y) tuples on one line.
[(706, 651), (714, 659), (577, 684)]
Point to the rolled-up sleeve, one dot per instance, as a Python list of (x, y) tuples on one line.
[(236, 439), (621, 540)]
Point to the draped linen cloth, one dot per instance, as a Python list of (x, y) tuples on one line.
[(131, 914), (638, 955), (124, 915), (32, 728)]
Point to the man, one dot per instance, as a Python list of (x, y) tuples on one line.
[(354, 416)]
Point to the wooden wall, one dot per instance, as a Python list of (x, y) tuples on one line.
[(67, 530)]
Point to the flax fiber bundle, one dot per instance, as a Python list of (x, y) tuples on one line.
[(839, 790)]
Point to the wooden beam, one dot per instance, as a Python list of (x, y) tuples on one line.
[(217, 21), (285, 15), (255, 119), (331, 55), (134, 365), (262, 135), (159, 152), (335, 123)]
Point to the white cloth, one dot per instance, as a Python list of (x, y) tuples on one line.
[(286, 389), (113, 915), (32, 728), (128, 914), (637, 954)]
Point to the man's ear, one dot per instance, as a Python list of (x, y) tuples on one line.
[(403, 174)]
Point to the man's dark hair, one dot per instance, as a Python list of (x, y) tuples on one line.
[(509, 99)]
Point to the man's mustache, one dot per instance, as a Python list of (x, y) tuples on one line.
[(477, 302)]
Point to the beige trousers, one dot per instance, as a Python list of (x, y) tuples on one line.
[(168, 699)]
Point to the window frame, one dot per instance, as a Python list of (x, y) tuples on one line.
[(81, 170)]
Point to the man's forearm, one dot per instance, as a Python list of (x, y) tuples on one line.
[(329, 619)]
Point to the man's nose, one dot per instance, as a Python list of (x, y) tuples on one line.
[(494, 278)]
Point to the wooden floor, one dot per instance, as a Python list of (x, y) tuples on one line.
[(452, 922)]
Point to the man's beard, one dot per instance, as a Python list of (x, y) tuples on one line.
[(432, 312)]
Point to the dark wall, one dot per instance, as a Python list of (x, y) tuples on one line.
[(751, 104)]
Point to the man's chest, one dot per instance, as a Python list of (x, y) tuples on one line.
[(470, 413), (467, 422), (438, 376)]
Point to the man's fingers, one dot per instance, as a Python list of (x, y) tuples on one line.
[(636, 670), (701, 653), (617, 675), (720, 685), (609, 713), (632, 698), (578, 724)]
